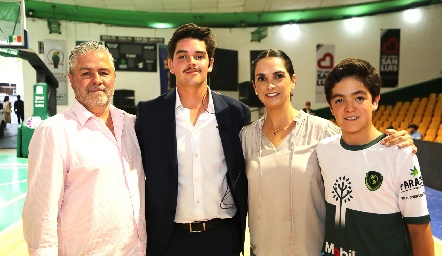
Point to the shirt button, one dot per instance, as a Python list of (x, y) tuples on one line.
[(197, 179), (197, 201), (196, 155)]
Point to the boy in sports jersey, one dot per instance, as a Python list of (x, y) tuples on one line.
[(375, 198)]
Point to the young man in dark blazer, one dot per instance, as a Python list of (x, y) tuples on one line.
[(196, 188)]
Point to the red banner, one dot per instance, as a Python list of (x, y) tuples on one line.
[(325, 60)]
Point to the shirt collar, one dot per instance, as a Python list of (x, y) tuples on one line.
[(210, 107), (178, 100), (84, 115)]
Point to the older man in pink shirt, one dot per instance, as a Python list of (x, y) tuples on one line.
[(85, 177)]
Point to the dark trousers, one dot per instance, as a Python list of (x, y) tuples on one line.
[(222, 241), (20, 116)]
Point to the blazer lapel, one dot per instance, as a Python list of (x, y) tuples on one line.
[(224, 127)]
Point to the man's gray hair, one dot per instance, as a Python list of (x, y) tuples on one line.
[(85, 48)]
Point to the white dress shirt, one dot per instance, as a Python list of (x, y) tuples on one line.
[(202, 169)]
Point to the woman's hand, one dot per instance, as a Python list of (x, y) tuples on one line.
[(400, 138)]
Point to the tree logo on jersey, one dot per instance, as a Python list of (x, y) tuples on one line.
[(414, 171), (373, 180), (342, 192)]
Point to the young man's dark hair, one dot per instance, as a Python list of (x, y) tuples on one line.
[(360, 70), (192, 30)]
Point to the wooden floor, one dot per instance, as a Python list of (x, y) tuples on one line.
[(437, 246), (12, 242)]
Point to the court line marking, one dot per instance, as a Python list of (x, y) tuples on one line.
[(8, 165), (6, 230), (13, 182), (12, 201)]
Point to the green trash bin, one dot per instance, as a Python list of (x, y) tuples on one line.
[(41, 112)]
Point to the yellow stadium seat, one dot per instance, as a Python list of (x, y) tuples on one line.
[(429, 138), (395, 124), (416, 119), (431, 132), (426, 119), (438, 139), (405, 124), (378, 124), (422, 131), (399, 119), (382, 128)]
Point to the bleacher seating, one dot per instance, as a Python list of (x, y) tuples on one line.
[(425, 112)]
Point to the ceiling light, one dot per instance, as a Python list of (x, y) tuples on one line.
[(354, 24), (162, 25), (290, 31), (412, 15)]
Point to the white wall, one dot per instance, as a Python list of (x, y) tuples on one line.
[(420, 50)]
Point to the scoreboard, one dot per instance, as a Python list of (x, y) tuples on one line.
[(133, 53)]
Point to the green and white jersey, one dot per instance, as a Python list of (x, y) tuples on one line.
[(371, 193)]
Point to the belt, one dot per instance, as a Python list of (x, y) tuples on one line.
[(200, 226)]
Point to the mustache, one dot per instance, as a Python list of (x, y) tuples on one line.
[(192, 68), (100, 87)]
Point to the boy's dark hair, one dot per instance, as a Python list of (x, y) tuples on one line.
[(355, 68), (194, 31), (276, 54), (415, 127)]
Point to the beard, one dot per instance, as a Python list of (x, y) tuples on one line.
[(95, 99)]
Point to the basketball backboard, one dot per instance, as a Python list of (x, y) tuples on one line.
[(13, 33)]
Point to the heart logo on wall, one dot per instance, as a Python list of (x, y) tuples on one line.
[(391, 46), (326, 62)]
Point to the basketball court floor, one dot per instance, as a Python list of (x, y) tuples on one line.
[(13, 187)]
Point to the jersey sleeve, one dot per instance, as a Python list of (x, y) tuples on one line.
[(411, 191)]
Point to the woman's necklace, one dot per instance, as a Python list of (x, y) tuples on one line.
[(285, 126)]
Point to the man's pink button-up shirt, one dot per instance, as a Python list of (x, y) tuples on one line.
[(85, 186)]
